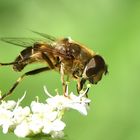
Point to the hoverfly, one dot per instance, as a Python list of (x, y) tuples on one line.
[(63, 55)]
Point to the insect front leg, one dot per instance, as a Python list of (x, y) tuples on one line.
[(64, 86), (80, 86)]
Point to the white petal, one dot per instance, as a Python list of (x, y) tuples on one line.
[(26, 111), (79, 107), (36, 126), (85, 100), (9, 105), (39, 107), (22, 130), (36, 107), (47, 127), (20, 114), (6, 119), (58, 102), (6, 126), (51, 116), (58, 125), (72, 96), (5, 116), (35, 117)]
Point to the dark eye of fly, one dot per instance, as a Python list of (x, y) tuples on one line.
[(95, 65)]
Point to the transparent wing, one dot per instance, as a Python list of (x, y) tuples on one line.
[(23, 42), (28, 42), (52, 38)]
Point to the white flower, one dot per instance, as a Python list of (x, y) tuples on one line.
[(79, 103), (60, 102), (6, 119), (40, 118), (6, 115), (9, 105), (19, 114)]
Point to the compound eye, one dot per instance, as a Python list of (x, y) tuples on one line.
[(91, 68), (95, 65)]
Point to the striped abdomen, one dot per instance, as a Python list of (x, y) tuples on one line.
[(24, 58)]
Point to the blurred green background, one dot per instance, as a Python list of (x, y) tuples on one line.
[(109, 27)]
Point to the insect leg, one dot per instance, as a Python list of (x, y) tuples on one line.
[(6, 64), (47, 59), (32, 72), (62, 79), (80, 86), (52, 66)]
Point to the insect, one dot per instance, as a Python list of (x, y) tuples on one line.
[(63, 55)]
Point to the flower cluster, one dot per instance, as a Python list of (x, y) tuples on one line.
[(40, 118)]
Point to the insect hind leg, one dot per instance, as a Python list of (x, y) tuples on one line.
[(16, 65), (7, 64), (32, 72)]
